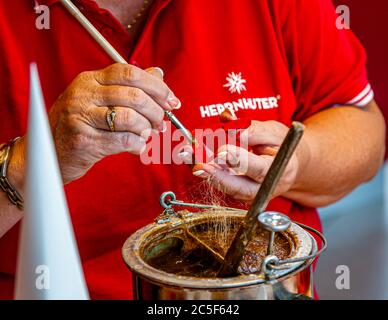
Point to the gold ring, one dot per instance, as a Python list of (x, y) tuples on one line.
[(110, 118)]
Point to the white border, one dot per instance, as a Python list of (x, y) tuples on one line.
[(363, 98)]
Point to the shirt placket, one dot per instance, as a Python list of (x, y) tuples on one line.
[(107, 25), (116, 33), (156, 10)]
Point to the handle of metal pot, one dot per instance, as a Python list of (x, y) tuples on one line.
[(168, 201), (271, 263)]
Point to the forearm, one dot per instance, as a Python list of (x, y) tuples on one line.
[(342, 147), (9, 213)]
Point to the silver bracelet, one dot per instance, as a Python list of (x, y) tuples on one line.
[(6, 186)]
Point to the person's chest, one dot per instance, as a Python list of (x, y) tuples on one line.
[(219, 56), (215, 55)]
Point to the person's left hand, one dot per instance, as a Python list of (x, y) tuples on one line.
[(239, 172)]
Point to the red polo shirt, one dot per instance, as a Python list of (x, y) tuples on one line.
[(294, 61)]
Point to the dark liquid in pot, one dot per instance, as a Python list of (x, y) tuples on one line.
[(197, 262)]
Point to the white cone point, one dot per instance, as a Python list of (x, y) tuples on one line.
[(49, 266)]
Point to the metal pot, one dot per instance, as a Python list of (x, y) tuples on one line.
[(287, 279)]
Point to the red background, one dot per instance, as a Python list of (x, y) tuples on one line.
[(369, 20)]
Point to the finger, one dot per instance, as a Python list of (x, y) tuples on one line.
[(265, 150), (156, 72), (269, 133), (227, 116), (129, 75), (133, 98), (223, 156), (220, 160), (187, 154), (246, 163), (111, 143), (126, 120), (239, 187)]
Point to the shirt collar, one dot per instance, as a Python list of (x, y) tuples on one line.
[(46, 2), (52, 2)]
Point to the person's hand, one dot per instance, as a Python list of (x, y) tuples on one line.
[(239, 172), (78, 118)]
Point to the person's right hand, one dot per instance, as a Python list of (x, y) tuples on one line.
[(78, 117)]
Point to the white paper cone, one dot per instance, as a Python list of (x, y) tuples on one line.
[(48, 266)]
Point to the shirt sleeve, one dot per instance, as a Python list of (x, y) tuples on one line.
[(327, 64)]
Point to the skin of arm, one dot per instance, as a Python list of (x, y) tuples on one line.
[(80, 130), (349, 153), (342, 147)]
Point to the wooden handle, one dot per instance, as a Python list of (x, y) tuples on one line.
[(244, 235)]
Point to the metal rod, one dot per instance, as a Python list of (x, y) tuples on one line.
[(168, 199), (245, 233), (271, 243), (175, 121), (112, 52), (201, 206), (273, 222)]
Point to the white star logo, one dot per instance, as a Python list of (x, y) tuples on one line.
[(235, 83)]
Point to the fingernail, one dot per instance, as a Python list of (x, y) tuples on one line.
[(198, 173), (222, 155), (160, 70), (174, 103), (233, 160), (179, 105), (183, 154), (145, 134), (163, 127), (227, 115)]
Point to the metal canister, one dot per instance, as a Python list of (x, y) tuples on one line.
[(288, 279)]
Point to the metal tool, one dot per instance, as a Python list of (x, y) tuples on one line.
[(245, 233), (186, 133), (112, 52), (273, 222)]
